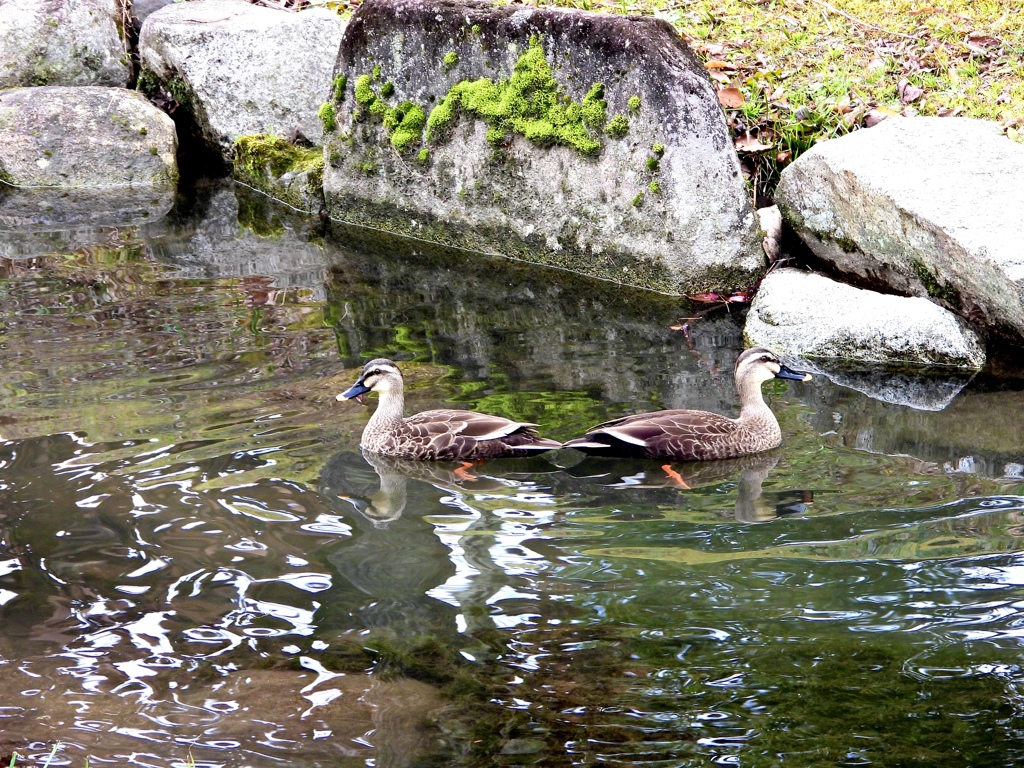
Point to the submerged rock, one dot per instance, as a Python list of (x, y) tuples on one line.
[(62, 42), (84, 137), (587, 141), (241, 69), (923, 206), (809, 315)]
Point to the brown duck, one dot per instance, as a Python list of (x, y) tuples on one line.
[(439, 435), (684, 435)]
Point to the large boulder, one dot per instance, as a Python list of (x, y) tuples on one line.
[(920, 206), (241, 69), (812, 316), (587, 141), (83, 156), (63, 42)]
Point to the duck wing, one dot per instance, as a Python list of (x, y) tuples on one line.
[(455, 434), (683, 435)]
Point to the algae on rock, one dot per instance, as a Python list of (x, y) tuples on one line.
[(281, 169)]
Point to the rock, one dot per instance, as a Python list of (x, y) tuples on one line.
[(62, 42), (770, 220), (923, 207), (241, 69), (811, 316), (621, 166), (95, 143)]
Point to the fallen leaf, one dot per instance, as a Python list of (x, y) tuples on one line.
[(718, 64), (783, 157), (877, 115), (705, 298), (731, 98), (909, 93), (982, 40), (720, 77), (748, 143)]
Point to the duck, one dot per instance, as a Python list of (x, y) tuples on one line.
[(688, 435), (439, 435)]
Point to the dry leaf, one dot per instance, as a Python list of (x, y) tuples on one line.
[(731, 98), (783, 157), (718, 64), (909, 93), (748, 143), (877, 115), (720, 77)]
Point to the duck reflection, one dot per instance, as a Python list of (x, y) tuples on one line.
[(642, 477)]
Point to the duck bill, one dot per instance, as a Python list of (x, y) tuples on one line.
[(355, 392), (786, 372)]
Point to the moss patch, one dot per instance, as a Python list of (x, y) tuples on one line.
[(340, 84), (327, 116), (261, 160), (617, 127), (450, 60), (530, 103)]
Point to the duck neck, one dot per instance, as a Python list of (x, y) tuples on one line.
[(390, 411), (752, 404)]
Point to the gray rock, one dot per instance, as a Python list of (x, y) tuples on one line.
[(67, 138), (62, 42), (811, 316), (38, 221), (242, 69), (920, 206), (659, 204)]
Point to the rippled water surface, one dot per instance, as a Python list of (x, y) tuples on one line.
[(196, 563)]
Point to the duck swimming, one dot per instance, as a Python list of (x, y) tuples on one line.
[(684, 435), (438, 435)]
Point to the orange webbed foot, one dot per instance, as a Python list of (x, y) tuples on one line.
[(674, 476), (462, 471)]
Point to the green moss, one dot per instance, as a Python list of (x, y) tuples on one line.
[(655, 187), (364, 92), (658, 149), (340, 84), (387, 90), (530, 103), (475, 29), (496, 136), (327, 116), (638, 200), (154, 151), (257, 155), (450, 60), (410, 127), (617, 127), (424, 155), (634, 103), (652, 164), (376, 72), (929, 280)]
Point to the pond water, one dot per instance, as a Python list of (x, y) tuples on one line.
[(197, 566)]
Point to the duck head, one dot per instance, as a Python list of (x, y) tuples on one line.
[(380, 376), (760, 364)]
